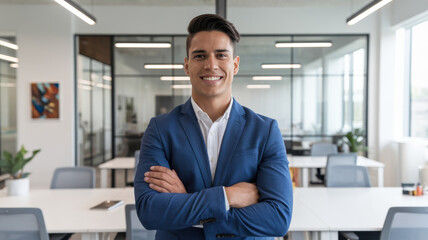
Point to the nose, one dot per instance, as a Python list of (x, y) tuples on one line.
[(211, 63)]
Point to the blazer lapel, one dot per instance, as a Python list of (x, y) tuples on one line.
[(193, 132), (231, 138)]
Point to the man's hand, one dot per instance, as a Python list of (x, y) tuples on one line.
[(242, 194), (164, 180)]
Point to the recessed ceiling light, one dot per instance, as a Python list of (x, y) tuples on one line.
[(142, 45), (302, 44), (281, 66), (9, 58), (181, 86), (13, 65), (175, 78), (268, 78), (8, 45), (163, 66), (260, 86)]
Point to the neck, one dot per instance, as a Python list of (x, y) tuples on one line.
[(214, 107)]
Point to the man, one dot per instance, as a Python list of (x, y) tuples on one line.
[(211, 168)]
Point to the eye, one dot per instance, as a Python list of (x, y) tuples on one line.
[(222, 55), (199, 56)]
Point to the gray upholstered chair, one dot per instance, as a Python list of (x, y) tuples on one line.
[(341, 159), (134, 229), (22, 223), (73, 177), (347, 176), (322, 149), (405, 223)]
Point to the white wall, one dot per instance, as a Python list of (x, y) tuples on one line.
[(45, 36)]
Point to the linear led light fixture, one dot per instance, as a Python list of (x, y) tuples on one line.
[(107, 78), (281, 66), (370, 8), (268, 78), (13, 65), (8, 44), (302, 44), (7, 85), (163, 66), (181, 86), (175, 78), (77, 10), (142, 45), (9, 58), (260, 86)]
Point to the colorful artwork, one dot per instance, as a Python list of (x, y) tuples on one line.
[(45, 100)]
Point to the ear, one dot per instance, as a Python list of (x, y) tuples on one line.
[(186, 66), (235, 65)]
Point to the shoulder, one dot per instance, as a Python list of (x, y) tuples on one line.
[(255, 118)]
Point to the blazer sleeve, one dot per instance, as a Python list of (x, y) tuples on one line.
[(272, 215), (171, 211)]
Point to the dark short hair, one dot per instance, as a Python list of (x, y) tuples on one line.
[(211, 22)]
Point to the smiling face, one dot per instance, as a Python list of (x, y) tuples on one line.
[(211, 66)]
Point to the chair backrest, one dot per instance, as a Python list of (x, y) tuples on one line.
[(137, 159), (347, 176), (405, 223), (73, 177), (323, 149), (341, 159), (22, 223), (134, 228)]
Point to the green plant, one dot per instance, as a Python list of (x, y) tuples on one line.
[(14, 165), (355, 140)]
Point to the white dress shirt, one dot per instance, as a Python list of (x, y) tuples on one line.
[(213, 133)]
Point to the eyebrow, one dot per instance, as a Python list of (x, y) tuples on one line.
[(217, 51)]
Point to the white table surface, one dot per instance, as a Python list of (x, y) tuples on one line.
[(354, 209), (306, 162), (68, 210), (125, 163)]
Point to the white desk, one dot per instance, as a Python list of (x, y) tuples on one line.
[(125, 163), (68, 210), (354, 209), (306, 162)]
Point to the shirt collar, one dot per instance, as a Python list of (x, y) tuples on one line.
[(200, 114)]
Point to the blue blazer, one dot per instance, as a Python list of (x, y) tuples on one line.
[(252, 151)]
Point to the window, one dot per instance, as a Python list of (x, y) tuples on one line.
[(319, 101), (7, 97), (419, 81)]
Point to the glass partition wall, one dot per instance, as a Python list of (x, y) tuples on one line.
[(8, 67), (318, 94)]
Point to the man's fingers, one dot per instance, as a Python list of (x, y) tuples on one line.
[(160, 183), (160, 176), (157, 188), (159, 169)]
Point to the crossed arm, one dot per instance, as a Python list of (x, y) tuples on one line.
[(164, 180), (163, 204)]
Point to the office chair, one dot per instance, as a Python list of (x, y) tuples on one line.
[(322, 149), (405, 223), (137, 159), (73, 177), (134, 229), (22, 223), (341, 159), (347, 176)]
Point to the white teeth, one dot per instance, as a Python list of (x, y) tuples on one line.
[(211, 78)]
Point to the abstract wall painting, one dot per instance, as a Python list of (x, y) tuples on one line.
[(44, 100)]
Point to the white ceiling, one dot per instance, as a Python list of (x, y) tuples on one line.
[(231, 3)]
